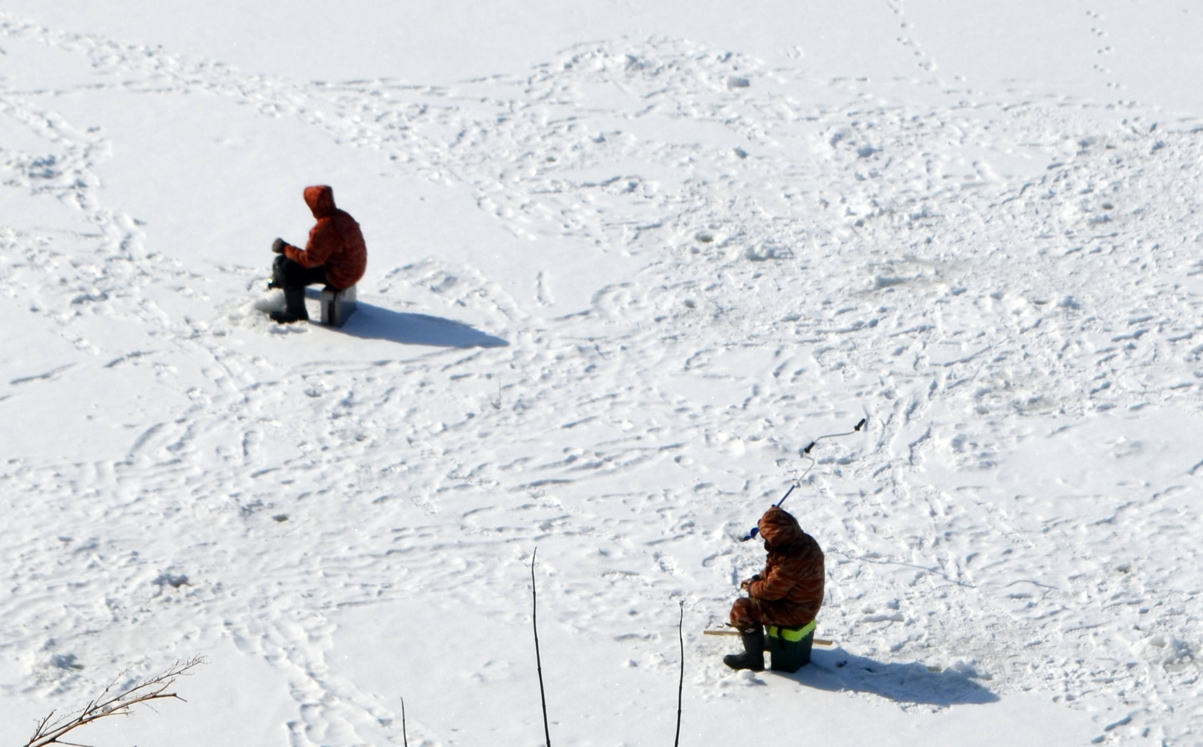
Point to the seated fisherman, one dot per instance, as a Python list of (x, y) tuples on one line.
[(787, 593), (335, 255)]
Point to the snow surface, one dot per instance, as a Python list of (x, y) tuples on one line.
[(626, 261)]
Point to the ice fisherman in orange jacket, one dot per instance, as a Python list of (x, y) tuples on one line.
[(788, 592), (336, 255)]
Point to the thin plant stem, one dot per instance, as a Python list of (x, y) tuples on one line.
[(534, 620), (681, 681), (404, 736)]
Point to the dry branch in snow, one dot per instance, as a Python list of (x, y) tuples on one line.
[(113, 701)]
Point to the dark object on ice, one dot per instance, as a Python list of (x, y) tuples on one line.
[(288, 316), (753, 655), (335, 256), (789, 648)]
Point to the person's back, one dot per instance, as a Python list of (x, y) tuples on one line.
[(789, 592), (336, 255), (335, 242), (795, 573)]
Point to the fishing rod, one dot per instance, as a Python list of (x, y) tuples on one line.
[(806, 453)]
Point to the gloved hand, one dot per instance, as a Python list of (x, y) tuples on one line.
[(278, 246)]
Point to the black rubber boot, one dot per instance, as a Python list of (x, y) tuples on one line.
[(753, 655), (294, 311)]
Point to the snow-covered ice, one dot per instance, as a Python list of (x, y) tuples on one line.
[(625, 264)]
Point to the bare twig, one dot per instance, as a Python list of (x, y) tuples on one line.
[(404, 736), (534, 621), (681, 682), (113, 701)]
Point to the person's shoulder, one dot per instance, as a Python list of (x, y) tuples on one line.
[(805, 545), (344, 219)]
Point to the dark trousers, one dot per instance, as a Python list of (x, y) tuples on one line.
[(288, 274), (293, 277)]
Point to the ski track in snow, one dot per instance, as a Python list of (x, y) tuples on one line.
[(979, 279)]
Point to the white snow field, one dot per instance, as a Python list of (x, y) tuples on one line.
[(626, 262)]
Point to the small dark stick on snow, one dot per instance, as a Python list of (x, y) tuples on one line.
[(404, 736), (681, 682), (534, 621)]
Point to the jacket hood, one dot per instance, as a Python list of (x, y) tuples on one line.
[(779, 528), (320, 199)]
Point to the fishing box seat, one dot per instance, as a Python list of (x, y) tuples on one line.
[(337, 305), (789, 648)]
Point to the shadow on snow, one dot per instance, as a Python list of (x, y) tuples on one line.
[(375, 323), (837, 670)]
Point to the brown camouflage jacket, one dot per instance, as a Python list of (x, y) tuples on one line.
[(793, 576)]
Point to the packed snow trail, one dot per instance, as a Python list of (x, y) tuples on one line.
[(1008, 289)]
